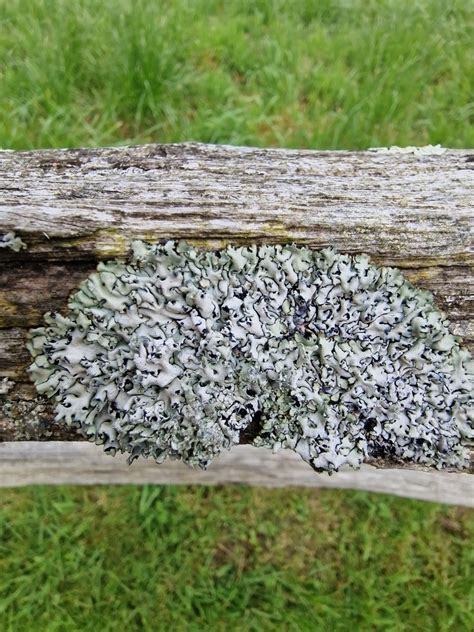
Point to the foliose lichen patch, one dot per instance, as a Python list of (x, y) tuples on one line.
[(183, 353)]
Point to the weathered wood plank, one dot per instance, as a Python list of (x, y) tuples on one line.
[(75, 463), (403, 209), (75, 207)]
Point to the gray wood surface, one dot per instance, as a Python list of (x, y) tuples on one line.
[(73, 208), (57, 463)]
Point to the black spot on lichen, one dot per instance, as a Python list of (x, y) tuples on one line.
[(370, 424), (183, 353), (253, 430)]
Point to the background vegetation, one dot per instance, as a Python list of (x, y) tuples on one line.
[(298, 73), (321, 74)]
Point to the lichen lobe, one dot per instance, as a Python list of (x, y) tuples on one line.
[(11, 241), (182, 353)]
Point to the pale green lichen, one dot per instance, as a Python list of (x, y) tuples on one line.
[(10, 240), (6, 386), (426, 150), (183, 353)]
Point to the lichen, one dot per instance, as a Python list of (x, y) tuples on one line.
[(10, 240), (182, 353), (6, 386), (426, 150)]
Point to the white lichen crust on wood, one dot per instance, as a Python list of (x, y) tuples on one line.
[(73, 208), (183, 353)]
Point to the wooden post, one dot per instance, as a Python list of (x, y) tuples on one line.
[(72, 208)]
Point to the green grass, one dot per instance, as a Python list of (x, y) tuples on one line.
[(154, 558), (309, 73), (326, 74)]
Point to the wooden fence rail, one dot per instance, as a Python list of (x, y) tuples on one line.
[(72, 208)]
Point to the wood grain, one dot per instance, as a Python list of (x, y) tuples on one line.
[(73, 208), (82, 204), (58, 463)]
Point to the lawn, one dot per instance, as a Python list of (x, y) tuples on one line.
[(310, 73), (316, 74), (230, 558)]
